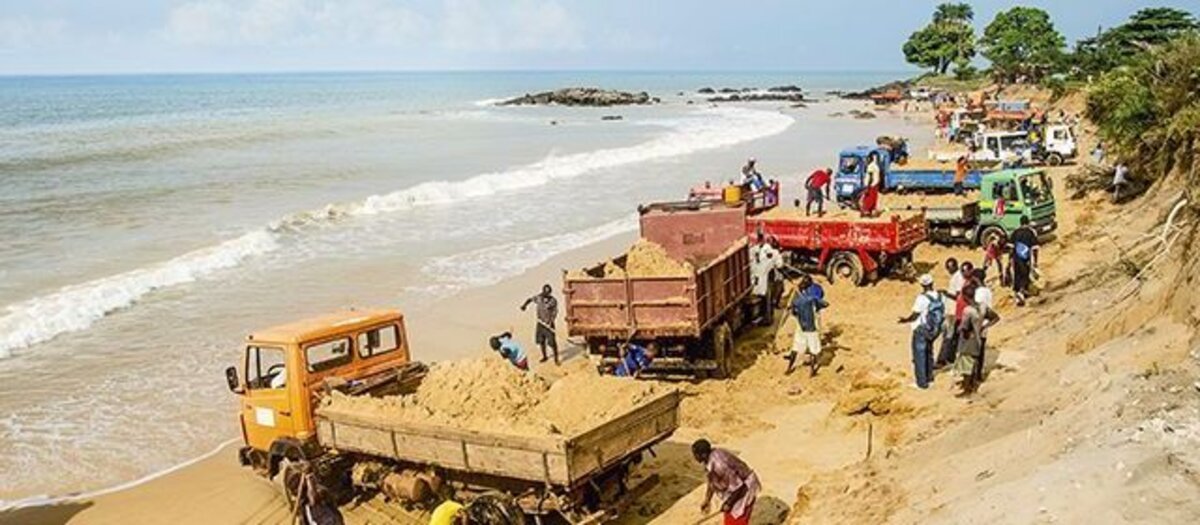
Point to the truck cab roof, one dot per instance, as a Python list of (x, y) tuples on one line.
[(324, 326)]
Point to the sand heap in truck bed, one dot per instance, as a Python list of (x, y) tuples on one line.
[(643, 259), (488, 394)]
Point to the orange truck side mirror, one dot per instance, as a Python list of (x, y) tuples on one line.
[(231, 378)]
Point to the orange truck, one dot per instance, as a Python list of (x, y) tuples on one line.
[(289, 436)]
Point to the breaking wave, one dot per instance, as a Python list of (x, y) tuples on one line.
[(76, 307), (493, 264)]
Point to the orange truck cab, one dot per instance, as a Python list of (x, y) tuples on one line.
[(286, 368)]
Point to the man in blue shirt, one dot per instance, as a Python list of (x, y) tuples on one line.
[(806, 307), (636, 359), (504, 345)]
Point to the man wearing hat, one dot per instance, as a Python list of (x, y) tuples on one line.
[(928, 314)]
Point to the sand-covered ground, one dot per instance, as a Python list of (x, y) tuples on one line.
[(1088, 415)]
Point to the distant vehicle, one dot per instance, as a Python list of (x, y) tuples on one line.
[(1056, 146), (851, 177), (1005, 197)]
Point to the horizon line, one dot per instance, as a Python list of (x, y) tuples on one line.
[(448, 71)]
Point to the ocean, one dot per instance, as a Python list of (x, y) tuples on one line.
[(147, 223)]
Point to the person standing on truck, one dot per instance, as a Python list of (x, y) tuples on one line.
[(818, 186), (635, 359), (730, 478), (926, 321), (547, 312), (751, 179), (869, 198), (960, 176), (806, 307), (1024, 259), (504, 345)]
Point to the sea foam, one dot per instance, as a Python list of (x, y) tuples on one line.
[(77, 307)]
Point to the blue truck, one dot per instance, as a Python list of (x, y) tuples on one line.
[(918, 176)]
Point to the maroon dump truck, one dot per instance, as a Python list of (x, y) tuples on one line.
[(691, 318)]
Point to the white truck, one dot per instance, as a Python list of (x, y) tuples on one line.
[(1055, 147)]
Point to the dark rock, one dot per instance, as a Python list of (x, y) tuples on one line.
[(861, 115), (785, 89), (612, 117), (800, 105), (580, 96), (707, 91), (760, 97), (900, 85), (728, 90)]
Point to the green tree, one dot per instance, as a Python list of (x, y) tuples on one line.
[(1022, 42), (1122, 44), (1149, 112), (947, 39)]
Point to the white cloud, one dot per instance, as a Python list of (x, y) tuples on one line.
[(23, 32), (474, 25), (293, 22)]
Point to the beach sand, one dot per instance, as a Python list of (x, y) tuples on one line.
[(761, 425)]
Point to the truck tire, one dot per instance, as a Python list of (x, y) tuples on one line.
[(723, 350), (844, 267), (1054, 159), (989, 233)]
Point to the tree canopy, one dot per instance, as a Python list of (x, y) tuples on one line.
[(1022, 42), (1121, 44), (947, 39)]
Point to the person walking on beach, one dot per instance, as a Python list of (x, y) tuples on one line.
[(975, 321), (547, 312), (765, 263), (993, 256), (730, 478), (1023, 259), (926, 321), (806, 307), (508, 348), (984, 301), (960, 176), (1120, 179), (817, 184), (961, 283)]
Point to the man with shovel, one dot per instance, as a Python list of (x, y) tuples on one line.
[(547, 312), (731, 479)]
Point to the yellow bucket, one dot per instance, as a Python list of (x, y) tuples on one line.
[(733, 194)]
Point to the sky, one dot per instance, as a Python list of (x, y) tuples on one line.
[(143, 36)]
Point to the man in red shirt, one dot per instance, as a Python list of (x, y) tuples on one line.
[(817, 184)]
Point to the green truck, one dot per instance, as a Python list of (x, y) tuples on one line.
[(1004, 197)]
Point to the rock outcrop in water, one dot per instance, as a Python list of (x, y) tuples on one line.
[(582, 96)]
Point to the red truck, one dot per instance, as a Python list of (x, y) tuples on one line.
[(843, 246), (691, 318)]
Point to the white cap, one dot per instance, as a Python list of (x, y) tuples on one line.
[(926, 280), (751, 159)]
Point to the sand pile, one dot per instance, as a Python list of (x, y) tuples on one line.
[(488, 394), (648, 259), (643, 259)]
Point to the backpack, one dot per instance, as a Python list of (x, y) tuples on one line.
[(935, 317), (1023, 251)]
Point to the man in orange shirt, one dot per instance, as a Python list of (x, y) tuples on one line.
[(960, 175)]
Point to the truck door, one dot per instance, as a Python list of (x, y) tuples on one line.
[(1002, 205), (266, 406)]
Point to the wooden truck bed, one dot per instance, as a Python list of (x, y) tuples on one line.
[(560, 461), (651, 307)]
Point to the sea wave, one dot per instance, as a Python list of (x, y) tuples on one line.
[(77, 307), (493, 264)]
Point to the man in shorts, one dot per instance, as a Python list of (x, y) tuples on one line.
[(547, 312), (805, 307)]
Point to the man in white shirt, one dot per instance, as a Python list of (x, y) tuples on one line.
[(764, 261), (924, 329)]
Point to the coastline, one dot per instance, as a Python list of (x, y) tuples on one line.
[(452, 327)]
